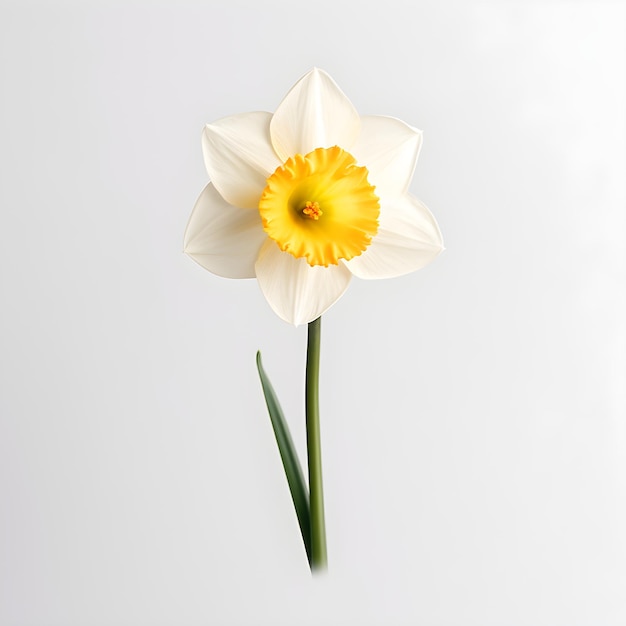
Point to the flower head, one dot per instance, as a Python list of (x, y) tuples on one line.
[(308, 197)]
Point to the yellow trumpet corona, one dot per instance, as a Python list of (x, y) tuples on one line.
[(320, 206)]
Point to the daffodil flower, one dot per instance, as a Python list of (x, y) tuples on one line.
[(303, 200), (308, 197)]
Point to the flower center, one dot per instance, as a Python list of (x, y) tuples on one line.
[(312, 210), (290, 207)]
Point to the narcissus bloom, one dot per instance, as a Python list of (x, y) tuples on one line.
[(308, 197)]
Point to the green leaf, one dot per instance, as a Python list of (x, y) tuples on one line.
[(289, 457)]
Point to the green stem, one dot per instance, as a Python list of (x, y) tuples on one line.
[(319, 559)]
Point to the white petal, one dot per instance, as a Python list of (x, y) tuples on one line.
[(239, 157), (314, 114), (388, 148), (297, 292), (222, 238), (408, 239)]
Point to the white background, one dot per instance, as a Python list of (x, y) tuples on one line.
[(473, 413)]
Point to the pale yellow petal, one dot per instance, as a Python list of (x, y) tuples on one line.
[(408, 238), (297, 292), (222, 238), (314, 114), (239, 157)]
